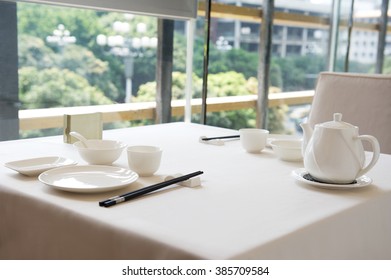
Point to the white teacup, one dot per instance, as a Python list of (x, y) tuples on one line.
[(253, 139), (144, 160)]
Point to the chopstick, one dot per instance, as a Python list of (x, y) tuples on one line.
[(133, 194), (220, 137)]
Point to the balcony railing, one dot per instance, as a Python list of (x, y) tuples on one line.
[(280, 18), (53, 117)]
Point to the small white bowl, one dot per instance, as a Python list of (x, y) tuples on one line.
[(102, 152), (288, 150)]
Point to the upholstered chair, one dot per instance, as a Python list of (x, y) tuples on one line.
[(363, 99)]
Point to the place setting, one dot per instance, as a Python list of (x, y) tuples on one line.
[(254, 141), (143, 161), (99, 174)]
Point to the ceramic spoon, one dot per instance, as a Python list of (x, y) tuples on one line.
[(80, 137)]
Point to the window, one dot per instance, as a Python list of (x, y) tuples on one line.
[(300, 50), (70, 56)]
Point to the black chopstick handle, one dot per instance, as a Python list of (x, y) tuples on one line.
[(220, 137), (130, 195)]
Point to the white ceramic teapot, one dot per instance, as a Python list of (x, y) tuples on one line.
[(333, 151)]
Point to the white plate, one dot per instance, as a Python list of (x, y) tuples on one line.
[(35, 166), (362, 181), (88, 178)]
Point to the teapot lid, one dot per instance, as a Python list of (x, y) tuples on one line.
[(337, 123)]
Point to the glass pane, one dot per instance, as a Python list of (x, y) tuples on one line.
[(299, 53), (363, 38), (70, 57)]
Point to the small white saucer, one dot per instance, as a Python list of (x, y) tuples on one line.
[(35, 166), (362, 181)]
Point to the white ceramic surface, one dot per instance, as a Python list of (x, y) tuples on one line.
[(145, 160), (79, 137), (333, 151), (88, 178), (35, 166), (362, 181), (102, 152), (288, 150), (253, 140), (271, 137)]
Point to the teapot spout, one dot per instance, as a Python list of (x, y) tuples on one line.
[(307, 134)]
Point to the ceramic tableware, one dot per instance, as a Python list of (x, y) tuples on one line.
[(253, 140), (79, 137), (301, 175), (333, 151), (145, 160), (88, 178), (102, 152), (287, 149), (35, 166)]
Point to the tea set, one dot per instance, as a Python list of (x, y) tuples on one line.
[(332, 153)]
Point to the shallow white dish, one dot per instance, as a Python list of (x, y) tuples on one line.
[(273, 137), (287, 149), (88, 178), (35, 166), (362, 181)]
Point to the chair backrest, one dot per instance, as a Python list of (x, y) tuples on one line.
[(89, 125), (363, 99)]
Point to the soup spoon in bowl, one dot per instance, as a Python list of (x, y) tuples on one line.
[(79, 137)]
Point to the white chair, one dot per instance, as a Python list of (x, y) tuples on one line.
[(363, 99)]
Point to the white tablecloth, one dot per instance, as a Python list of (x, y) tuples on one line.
[(248, 207)]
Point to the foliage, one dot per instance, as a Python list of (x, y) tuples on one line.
[(236, 60), (298, 72), (78, 59), (83, 62), (387, 65), (220, 85), (33, 52), (54, 87)]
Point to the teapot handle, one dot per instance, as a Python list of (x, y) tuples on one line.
[(376, 152)]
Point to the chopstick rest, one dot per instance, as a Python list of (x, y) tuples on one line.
[(205, 140), (130, 195), (217, 140), (191, 183)]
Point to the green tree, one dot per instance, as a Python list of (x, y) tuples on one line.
[(220, 85), (237, 60), (387, 65), (34, 53), (54, 87), (41, 20), (298, 72), (83, 62)]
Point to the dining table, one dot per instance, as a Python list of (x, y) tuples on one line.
[(246, 206)]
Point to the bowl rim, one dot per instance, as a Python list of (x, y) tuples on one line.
[(144, 149), (274, 143), (121, 145)]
